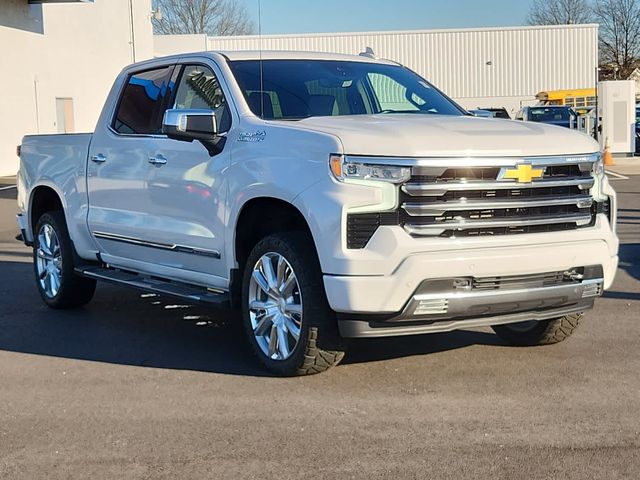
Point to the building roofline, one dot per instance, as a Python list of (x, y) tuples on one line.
[(410, 32)]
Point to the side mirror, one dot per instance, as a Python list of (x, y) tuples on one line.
[(190, 124), (480, 113)]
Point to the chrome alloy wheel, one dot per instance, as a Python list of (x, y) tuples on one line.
[(49, 261), (275, 306)]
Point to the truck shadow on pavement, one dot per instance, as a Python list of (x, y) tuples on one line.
[(127, 327), (629, 262)]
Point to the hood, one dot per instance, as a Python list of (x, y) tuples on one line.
[(408, 135)]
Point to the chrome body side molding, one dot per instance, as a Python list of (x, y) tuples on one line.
[(163, 246)]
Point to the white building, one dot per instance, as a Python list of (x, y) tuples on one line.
[(480, 67), (58, 60)]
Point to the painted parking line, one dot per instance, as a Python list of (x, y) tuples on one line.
[(8, 188), (616, 175)]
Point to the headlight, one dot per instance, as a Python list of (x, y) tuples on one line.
[(343, 169)]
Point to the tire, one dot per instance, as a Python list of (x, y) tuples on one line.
[(60, 288), (546, 332), (298, 306)]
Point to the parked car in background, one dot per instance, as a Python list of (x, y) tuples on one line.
[(560, 116), (498, 113)]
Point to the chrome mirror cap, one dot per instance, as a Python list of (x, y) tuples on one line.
[(190, 124)]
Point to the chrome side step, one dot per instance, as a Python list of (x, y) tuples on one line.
[(190, 293)]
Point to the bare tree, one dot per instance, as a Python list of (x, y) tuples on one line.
[(213, 17), (619, 35), (559, 12)]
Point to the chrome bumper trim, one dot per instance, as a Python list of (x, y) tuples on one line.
[(493, 302), (364, 329), (451, 310)]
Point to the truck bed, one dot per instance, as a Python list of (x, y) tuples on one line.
[(57, 162)]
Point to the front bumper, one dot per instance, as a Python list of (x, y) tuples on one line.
[(382, 305), (389, 294)]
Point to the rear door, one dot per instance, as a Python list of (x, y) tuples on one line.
[(118, 166)]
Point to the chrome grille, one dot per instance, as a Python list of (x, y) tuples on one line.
[(483, 200)]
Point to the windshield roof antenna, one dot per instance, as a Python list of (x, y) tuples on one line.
[(368, 52)]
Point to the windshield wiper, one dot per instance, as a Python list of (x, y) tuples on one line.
[(418, 112)]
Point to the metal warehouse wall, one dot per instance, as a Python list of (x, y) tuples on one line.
[(469, 63)]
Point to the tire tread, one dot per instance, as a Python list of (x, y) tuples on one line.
[(75, 290), (323, 346), (547, 332)]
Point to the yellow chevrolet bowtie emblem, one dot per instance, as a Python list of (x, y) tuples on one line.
[(523, 173)]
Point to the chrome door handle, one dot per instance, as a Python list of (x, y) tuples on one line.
[(99, 158), (157, 160)]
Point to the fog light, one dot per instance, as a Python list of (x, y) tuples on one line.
[(592, 290), (432, 307)]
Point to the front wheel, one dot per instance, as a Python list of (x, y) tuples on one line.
[(544, 332), (285, 312), (58, 284)]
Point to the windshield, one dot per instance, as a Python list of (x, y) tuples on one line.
[(295, 89), (549, 114)]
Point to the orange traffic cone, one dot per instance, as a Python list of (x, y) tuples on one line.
[(607, 157)]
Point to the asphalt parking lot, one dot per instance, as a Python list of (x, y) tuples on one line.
[(136, 386)]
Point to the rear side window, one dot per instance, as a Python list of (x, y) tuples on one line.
[(144, 101)]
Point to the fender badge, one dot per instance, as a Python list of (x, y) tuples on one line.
[(252, 137)]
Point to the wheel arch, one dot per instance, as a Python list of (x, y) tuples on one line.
[(257, 218), (44, 198)]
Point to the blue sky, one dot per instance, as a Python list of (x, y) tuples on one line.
[(308, 16)]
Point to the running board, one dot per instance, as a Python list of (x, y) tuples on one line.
[(191, 293)]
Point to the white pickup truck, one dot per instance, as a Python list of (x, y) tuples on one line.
[(325, 196)]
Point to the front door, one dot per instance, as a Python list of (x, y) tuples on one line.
[(156, 204)]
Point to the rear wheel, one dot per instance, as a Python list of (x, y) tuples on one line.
[(58, 284), (286, 316), (544, 332)]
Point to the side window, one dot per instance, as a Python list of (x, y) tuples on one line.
[(143, 102), (199, 88)]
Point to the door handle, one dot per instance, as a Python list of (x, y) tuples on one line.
[(99, 158), (157, 160)]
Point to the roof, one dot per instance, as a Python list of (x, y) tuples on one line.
[(296, 55), (271, 55)]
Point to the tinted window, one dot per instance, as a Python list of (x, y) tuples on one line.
[(549, 114), (293, 89), (199, 88), (144, 101)]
